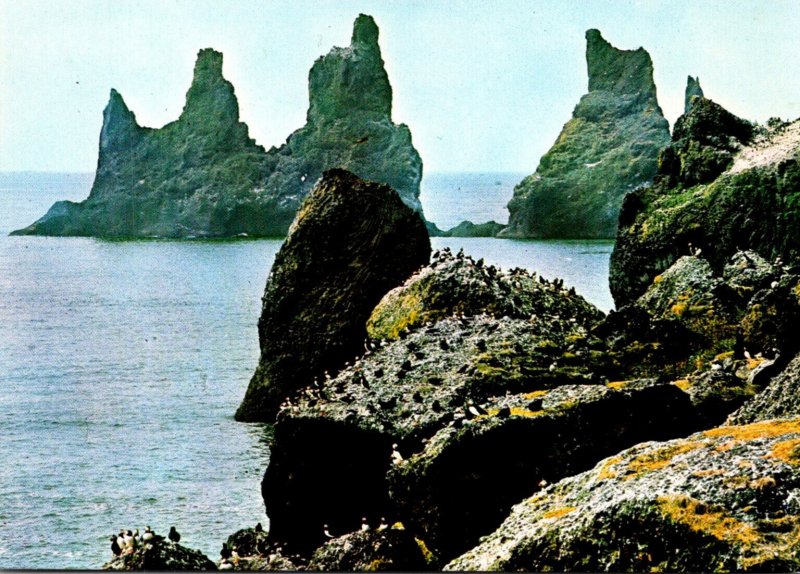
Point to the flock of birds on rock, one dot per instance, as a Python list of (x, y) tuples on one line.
[(126, 542)]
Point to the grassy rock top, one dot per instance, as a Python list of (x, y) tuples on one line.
[(723, 499)]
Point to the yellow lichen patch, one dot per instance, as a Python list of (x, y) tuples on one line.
[(430, 558), (678, 309), (606, 471), (723, 356), (737, 482), (755, 545), (535, 394), (658, 279), (618, 385), (559, 512), (659, 458), (706, 519), (764, 429), (787, 451), (708, 472), (754, 362), (683, 384), (520, 412)]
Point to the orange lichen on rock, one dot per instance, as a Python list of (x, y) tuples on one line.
[(787, 451), (559, 512), (658, 459), (763, 429)]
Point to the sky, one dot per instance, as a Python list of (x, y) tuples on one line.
[(485, 86)]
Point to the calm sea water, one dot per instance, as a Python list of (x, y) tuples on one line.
[(121, 364)]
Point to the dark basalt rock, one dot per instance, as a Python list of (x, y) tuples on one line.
[(350, 243), (162, 555), (202, 175), (714, 193), (780, 398), (371, 551), (608, 148), (534, 376), (721, 500)]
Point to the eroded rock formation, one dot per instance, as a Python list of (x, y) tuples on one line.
[(350, 243), (608, 148), (202, 175)]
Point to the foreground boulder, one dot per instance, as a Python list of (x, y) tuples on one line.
[(459, 285), (371, 551), (161, 555), (351, 242), (483, 401), (608, 148), (724, 186), (202, 175), (720, 500)]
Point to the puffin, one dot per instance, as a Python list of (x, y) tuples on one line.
[(383, 525), (326, 532), (397, 458), (174, 535), (148, 534), (225, 565), (364, 524), (474, 409), (259, 528), (115, 547), (225, 553)]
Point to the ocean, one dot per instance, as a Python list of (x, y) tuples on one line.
[(122, 363)]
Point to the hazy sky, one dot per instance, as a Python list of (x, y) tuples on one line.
[(484, 85)]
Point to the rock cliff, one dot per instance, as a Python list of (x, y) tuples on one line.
[(608, 148), (693, 90), (350, 243), (202, 175), (724, 185)]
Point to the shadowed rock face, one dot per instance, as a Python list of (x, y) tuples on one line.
[(371, 551), (350, 243), (608, 148), (203, 176)]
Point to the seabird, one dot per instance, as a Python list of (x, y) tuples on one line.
[(444, 345), (174, 535), (115, 547), (543, 483), (364, 524), (383, 525), (747, 354), (225, 553), (397, 458), (475, 410), (326, 532), (259, 528), (225, 565)]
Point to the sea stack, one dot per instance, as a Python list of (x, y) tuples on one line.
[(693, 90), (351, 242), (608, 148), (202, 175)]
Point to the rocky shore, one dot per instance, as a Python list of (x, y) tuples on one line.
[(432, 411)]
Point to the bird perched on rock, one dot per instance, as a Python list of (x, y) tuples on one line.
[(364, 524), (225, 565), (225, 553), (259, 528), (475, 410), (543, 483), (383, 525), (115, 546), (326, 532), (174, 535), (397, 458)]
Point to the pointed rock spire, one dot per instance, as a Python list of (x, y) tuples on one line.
[(352, 78), (211, 97), (693, 89), (619, 71), (120, 129)]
